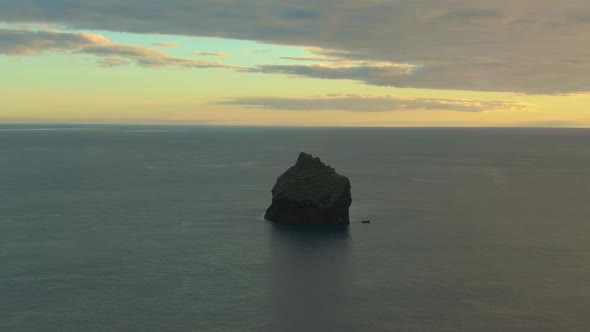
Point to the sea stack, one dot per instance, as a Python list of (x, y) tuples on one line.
[(311, 193)]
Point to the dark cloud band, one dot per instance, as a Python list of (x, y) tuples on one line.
[(364, 103), (31, 43), (505, 45)]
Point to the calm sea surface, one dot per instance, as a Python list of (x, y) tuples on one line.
[(115, 228)]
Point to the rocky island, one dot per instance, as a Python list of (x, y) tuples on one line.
[(310, 192)]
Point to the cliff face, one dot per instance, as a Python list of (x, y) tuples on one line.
[(310, 192)]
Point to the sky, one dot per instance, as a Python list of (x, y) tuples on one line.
[(513, 63)]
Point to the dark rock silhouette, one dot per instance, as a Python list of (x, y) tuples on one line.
[(310, 192)]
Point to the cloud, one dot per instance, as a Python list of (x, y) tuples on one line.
[(213, 54), (327, 72), (481, 74), (24, 42), (167, 44), (370, 103), (339, 65), (520, 46), (112, 62), (36, 43), (300, 14), (477, 76), (468, 15), (303, 58)]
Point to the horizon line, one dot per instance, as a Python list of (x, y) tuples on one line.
[(280, 126)]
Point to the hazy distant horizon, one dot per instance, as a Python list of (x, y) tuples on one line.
[(273, 126)]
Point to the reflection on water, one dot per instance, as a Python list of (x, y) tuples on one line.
[(309, 277)]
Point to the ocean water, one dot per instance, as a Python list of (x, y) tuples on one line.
[(123, 228)]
